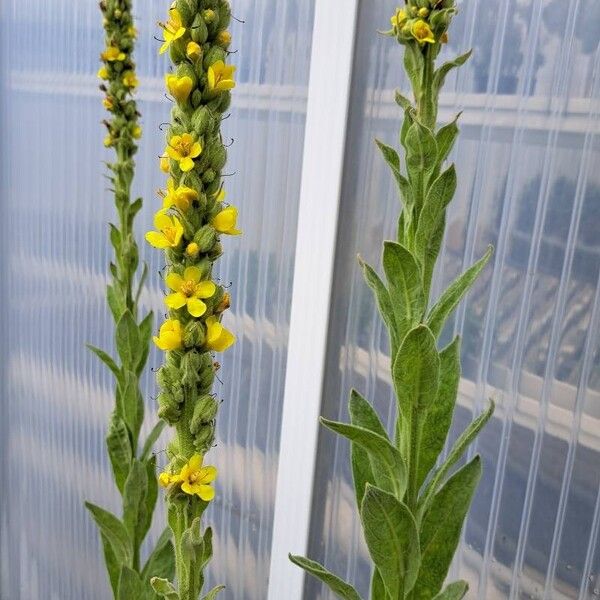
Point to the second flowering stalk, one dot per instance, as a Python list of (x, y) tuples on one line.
[(188, 228)]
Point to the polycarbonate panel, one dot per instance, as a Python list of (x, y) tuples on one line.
[(56, 397), (528, 161)]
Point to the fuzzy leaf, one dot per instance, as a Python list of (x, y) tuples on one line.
[(128, 341), (145, 334), (130, 404), (161, 562), (439, 416), (449, 300), (363, 415), (457, 450), (393, 540), (421, 159), (439, 77), (213, 593), (393, 160), (151, 498), (455, 591), (340, 588), (164, 588), (441, 528), (119, 449), (116, 302), (391, 474), (152, 439), (114, 531), (414, 64), (405, 287), (113, 566), (416, 370), (130, 585), (107, 360), (445, 139), (402, 101), (438, 197), (134, 499), (384, 303), (378, 591)]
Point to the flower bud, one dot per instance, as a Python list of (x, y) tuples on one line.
[(192, 250), (194, 334), (193, 51), (224, 38), (205, 411), (205, 238), (224, 304)]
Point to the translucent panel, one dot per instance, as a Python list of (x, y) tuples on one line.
[(529, 182), (56, 397)]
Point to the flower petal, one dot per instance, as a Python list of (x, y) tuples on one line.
[(186, 164), (205, 289), (206, 492), (176, 300), (196, 307), (192, 274), (174, 281), (156, 239), (208, 474)]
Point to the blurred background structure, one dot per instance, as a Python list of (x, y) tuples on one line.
[(529, 182)]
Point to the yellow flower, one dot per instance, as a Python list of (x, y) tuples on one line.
[(423, 12), (130, 80), (224, 38), (225, 221), (399, 18), (108, 103), (132, 31), (112, 53), (173, 29), (181, 197), (220, 77), (217, 337), (170, 336), (165, 164), (179, 87), (189, 291), (193, 51), (220, 195), (108, 141), (422, 32), (194, 479), (192, 250), (103, 73), (183, 149), (137, 132), (170, 231)]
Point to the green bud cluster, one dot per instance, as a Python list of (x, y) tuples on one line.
[(411, 510)]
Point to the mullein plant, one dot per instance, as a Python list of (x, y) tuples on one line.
[(412, 504), (132, 461), (188, 227)]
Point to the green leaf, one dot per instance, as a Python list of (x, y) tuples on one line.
[(393, 540), (151, 498), (134, 500), (164, 588), (439, 77), (115, 238), (416, 370), (440, 413), (213, 593), (130, 585), (145, 333), (128, 341), (414, 64), (393, 161), (119, 449), (152, 439), (130, 404), (438, 197), (141, 283), (455, 591), (114, 531), (441, 528), (161, 562), (384, 302), (403, 101), (409, 119), (362, 414), (457, 450), (116, 302), (431, 253), (340, 588), (405, 287), (445, 139), (421, 159), (391, 474), (453, 295), (378, 591), (107, 360), (113, 566)]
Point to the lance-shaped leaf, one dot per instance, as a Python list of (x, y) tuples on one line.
[(161, 562), (384, 302), (362, 414), (107, 360), (119, 449), (439, 77), (421, 159), (213, 593), (457, 450), (393, 540), (378, 591), (438, 197), (152, 439), (439, 416), (449, 300), (145, 332), (416, 370), (392, 474), (405, 287), (128, 341), (114, 531), (393, 160), (134, 500), (414, 64), (403, 101), (441, 527), (130, 404), (145, 519), (409, 119), (455, 591), (445, 139), (335, 584), (116, 302), (164, 588), (130, 585)]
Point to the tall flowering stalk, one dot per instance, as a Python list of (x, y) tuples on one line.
[(412, 511), (133, 466), (188, 227)]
